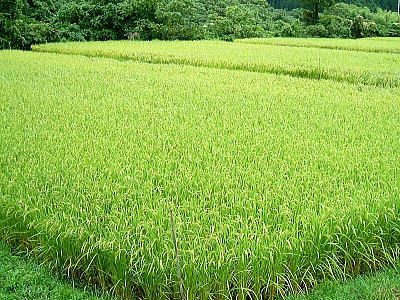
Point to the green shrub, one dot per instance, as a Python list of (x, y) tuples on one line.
[(317, 30), (337, 27)]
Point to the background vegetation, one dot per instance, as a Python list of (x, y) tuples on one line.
[(27, 22)]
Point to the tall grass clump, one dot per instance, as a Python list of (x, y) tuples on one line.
[(275, 182), (379, 69), (379, 45)]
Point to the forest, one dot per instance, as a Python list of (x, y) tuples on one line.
[(27, 22)]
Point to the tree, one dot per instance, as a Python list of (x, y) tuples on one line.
[(314, 7), (10, 13), (11, 9), (180, 19)]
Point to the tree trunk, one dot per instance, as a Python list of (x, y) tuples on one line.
[(316, 11)]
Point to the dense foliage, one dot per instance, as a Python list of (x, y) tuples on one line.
[(27, 22)]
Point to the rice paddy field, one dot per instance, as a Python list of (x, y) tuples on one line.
[(381, 69), (275, 182), (379, 45)]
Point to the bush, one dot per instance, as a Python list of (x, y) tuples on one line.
[(394, 30), (34, 32), (336, 27), (69, 32), (284, 29), (357, 28), (317, 31)]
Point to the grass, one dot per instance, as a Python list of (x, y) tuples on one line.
[(25, 280), (354, 67), (276, 182), (379, 286), (378, 45)]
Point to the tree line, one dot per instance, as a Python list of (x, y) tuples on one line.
[(27, 22)]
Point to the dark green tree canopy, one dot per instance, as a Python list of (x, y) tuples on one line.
[(26, 22), (315, 6)]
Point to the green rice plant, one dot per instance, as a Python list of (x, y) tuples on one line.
[(379, 45), (354, 67), (275, 182)]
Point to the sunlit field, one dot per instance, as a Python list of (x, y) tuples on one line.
[(379, 45), (381, 69), (275, 182)]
